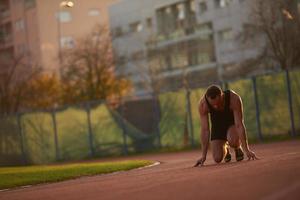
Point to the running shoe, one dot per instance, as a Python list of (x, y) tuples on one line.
[(239, 154), (227, 157)]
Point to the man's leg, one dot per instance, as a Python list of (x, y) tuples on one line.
[(233, 137), (235, 142), (218, 150)]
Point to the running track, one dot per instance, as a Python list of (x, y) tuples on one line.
[(275, 176)]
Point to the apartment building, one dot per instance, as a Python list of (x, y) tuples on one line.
[(178, 39), (38, 29)]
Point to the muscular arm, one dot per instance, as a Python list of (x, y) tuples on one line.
[(239, 121), (204, 127)]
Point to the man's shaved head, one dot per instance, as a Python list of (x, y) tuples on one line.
[(213, 91)]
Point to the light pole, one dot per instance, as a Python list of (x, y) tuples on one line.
[(63, 4)]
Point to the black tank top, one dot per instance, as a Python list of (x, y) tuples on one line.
[(221, 119)]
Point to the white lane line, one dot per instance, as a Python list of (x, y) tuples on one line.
[(154, 164)]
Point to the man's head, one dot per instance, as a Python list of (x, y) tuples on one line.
[(214, 96)]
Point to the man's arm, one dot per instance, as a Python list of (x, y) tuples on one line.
[(239, 123), (203, 112), (204, 128)]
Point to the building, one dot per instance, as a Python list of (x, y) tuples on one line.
[(38, 29), (172, 40)]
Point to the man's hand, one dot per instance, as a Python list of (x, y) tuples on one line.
[(200, 162), (251, 155)]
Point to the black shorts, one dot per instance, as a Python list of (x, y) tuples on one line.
[(219, 132)]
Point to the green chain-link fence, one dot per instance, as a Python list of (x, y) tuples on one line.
[(99, 129)]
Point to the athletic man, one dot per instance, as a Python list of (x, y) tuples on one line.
[(227, 125)]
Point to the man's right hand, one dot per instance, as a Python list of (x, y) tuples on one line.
[(200, 162)]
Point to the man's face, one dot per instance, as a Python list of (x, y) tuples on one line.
[(216, 103)]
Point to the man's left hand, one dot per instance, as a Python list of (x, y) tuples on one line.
[(251, 155)]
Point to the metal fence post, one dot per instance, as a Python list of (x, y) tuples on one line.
[(290, 99), (157, 118), (260, 137), (125, 146), (190, 119), (90, 131), (225, 86), (57, 153), (22, 142)]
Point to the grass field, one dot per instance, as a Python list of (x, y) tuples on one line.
[(11, 177)]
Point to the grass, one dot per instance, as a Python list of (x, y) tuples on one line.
[(11, 177)]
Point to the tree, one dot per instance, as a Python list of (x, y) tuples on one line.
[(278, 21), (23, 87), (88, 70), (14, 78), (44, 91)]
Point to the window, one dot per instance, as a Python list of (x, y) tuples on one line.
[(6, 33), (29, 3), (2, 34), (249, 30), (180, 11), (16, 1), (158, 60), (67, 42), (201, 50), (222, 3), (136, 27), (179, 58), (19, 25), (7, 53), (176, 20), (65, 16), (140, 86), (155, 63), (203, 58), (21, 49), (117, 31), (192, 5), (149, 23), (225, 35), (137, 55), (205, 28), (93, 12), (191, 13), (202, 7), (166, 19), (121, 60)]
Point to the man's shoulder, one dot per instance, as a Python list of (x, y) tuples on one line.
[(234, 96), (202, 105), (202, 101), (235, 99)]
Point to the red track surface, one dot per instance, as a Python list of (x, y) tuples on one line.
[(275, 176)]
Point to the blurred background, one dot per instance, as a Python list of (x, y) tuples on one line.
[(84, 79)]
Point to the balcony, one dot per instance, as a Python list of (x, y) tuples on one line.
[(4, 14), (6, 41), (4, 10), (158, 39), (175, 21), (202, 31)]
